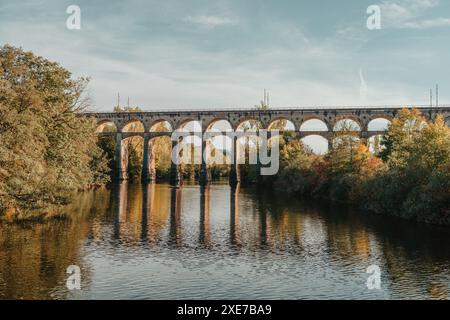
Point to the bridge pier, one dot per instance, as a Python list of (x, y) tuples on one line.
[(205, 236), (120, 171), (235, 176), (148, 164), (175, 175), (205, 173)]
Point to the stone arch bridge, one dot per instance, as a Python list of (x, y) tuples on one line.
[(329, 117)]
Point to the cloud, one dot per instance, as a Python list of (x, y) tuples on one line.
[(421, 4), (209, 21), (427, 24), (393, 13), (405, 14)]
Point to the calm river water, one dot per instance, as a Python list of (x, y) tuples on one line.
[(154, 242)]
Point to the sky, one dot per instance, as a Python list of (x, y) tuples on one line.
[(222, 54)]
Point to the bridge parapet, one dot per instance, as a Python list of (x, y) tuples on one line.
[(176, 119)]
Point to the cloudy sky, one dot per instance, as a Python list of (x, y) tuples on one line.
[(217, 53)]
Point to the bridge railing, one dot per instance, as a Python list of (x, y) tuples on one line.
[(278, 109)]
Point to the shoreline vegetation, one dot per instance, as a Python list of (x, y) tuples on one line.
[(47, 152)]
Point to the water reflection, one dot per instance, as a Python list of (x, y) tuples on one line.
[(235, 237), (205, 233), (155, 241), (175, 235)]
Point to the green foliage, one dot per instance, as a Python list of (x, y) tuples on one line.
[(108, 145), (46, 149), (416, 181), (411, 179)]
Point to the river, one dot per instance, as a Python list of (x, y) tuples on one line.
[(155, 242)]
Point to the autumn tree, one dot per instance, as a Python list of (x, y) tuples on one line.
[(46, 149)]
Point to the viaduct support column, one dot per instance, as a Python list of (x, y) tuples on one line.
[(175, 175), (148, 165), (145, 161), (235, 176), (330, 139), (118, 169), (205, 174)]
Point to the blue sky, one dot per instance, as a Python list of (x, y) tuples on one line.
[(214, 54)]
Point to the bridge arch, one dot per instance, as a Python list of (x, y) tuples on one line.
[(190, 124), (106, 125), (347, 124), (193, 127), (160, 124), (219, 145), (219, 122), (378, 124), (281, 124), (314, 124), (345, 139), (159, 157), (249, 123), (133, 125), (135, 143), (318, 144)]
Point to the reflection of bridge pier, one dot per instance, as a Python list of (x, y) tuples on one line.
[(120, 193), (175, 216), (264, 226), (147, 208), (205, 234), (235, 237)]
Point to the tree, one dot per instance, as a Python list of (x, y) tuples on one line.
[(415, 183), (400, 139), (46, 149)]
